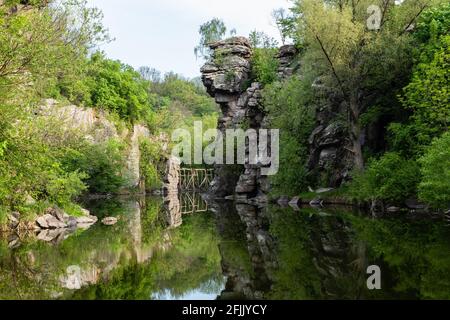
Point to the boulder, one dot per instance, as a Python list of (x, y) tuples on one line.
[(14, 220), (316, 202), (42, 221), (55, 223), (296, 201), (89, 220), (324, 190), (283, 201), (393, 209), (413, 204), (71, 222), (56, 212), (109, 221)]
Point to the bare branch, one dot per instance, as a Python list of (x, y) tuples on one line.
[(414, 19), (333, 69)]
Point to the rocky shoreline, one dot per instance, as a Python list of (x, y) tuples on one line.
[(54, 226), (376, 208)]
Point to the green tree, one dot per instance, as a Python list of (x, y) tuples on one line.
[(116, 87), (391, 178), (435, 166), (356, 63), (210, 32), (39, 43), (288, 106), (426, 96)]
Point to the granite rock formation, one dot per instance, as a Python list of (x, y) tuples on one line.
[(227, 78)]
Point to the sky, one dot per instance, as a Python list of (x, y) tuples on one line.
[(163, 33)]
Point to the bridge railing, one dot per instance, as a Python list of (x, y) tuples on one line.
[(195, 179)]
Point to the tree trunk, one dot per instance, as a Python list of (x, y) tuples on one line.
[(355, 133)]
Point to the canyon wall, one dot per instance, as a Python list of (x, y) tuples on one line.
[(227, 77)]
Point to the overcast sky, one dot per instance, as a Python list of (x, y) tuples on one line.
[(163, 33)]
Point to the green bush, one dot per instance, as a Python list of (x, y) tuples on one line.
[(435, 166), (104, 165), (30, 161), (265, 65), (288, 107), (391, 178)]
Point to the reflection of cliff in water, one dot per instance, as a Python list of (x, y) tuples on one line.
[(319, 247), (144, 236), (318, 253), (173, 249)]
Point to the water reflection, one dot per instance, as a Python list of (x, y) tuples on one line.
[(183, 248), (141, 257), (324, 254)]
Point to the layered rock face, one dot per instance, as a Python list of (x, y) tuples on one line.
[(227, 78), (97, 128), (329, 155)]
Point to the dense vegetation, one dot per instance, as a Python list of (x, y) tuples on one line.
[(43, 160), (395, 77)]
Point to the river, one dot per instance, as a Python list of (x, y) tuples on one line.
[(192, 250)]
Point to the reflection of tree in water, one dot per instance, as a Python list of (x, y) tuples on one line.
[(325, 256), (309, 254), (264, 253), (192, 263), (133, 259), (318, 257)]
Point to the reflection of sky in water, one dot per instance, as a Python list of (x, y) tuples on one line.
[(207, 291)]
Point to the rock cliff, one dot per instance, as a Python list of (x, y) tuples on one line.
[(96, 127), (227, 78)]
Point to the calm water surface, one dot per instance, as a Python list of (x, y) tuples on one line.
[(185, 249)]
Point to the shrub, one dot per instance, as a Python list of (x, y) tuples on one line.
[(265, 65), (435, 167), (391, 178), (104, 165), (288, 106)]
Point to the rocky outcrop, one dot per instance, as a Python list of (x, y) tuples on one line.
[(93, 123), (56, 219), (134, 154), (227, 78), (286, 55), (172, 177), (96, 127), (329, 155), (110, 221)]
